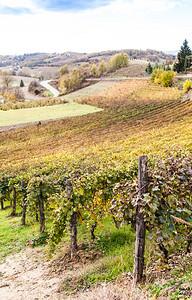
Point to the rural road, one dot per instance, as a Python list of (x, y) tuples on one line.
[(45, 83)]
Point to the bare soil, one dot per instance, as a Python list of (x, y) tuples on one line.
[(28, 275)]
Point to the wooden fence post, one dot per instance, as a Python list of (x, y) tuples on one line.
[(73, 222), (140, 223)]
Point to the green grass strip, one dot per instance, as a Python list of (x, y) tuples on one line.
[(27, 115)]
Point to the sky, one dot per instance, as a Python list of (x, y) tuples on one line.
[(28, 26)]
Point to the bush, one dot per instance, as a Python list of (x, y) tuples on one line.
[(118, 61), (102, 68), (71, 81), (187, 85), (160, 76), (156, 75), (13, 95), (93, 71), (63, 70), (166, 78)]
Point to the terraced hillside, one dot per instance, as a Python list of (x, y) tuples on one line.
[(137, 117), (97, 153)]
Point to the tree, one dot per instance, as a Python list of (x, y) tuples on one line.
[(162, 77), (185, 51), (14, 95), (22, 83), (156, 75), (102, 68), (149, 68), (118, 61), (166, 78), (64, 70), (6, 79), (71, 81), (187, 85), (93, 71)]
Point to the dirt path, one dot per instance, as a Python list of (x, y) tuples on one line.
[(27, 276)]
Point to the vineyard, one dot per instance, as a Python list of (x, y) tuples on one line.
[(79, 172)]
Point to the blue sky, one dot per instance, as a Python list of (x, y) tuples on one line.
[(67, 5), (96, 25)]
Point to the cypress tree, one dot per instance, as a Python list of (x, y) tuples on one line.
[(185, 51), (149, 68), (22, 83)]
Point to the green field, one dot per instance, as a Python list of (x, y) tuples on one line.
[(36, 114)]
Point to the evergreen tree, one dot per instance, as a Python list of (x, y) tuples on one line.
[(22, 83), (167, 67), (163, 66), (149, 68), (156, 66), (185, 51)]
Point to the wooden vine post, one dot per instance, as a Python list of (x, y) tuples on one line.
[(73, 221), (23, 214), (41, 209), (13, 213), (2, 205), (140, 223)]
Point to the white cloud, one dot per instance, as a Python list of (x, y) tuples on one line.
[(122, 24), (21, 3)]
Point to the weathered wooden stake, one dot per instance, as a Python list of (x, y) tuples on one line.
[(73, 221), (2, 204), (23, 216), (140, 223), (14, 202), (41, 211)]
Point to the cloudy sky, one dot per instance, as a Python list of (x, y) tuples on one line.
[(29, 26)]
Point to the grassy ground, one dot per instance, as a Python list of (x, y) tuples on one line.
[(13, 236), (109, 258), (27, 115)]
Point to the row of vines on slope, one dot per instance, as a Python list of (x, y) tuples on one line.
[(90, 193)]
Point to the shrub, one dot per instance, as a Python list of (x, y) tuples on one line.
[(93, 71), (162, 77), (13, 95), (166, 78), (187, 85), (64, 70), (71, 81), (102, 68), (118, 61), (156, 75)]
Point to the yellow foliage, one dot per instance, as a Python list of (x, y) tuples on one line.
[(187, 85)]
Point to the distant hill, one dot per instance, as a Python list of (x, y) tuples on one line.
[(33, 60)]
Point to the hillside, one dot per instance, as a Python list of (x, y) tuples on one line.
[(97, 152), (71, 58), (135, 112)]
